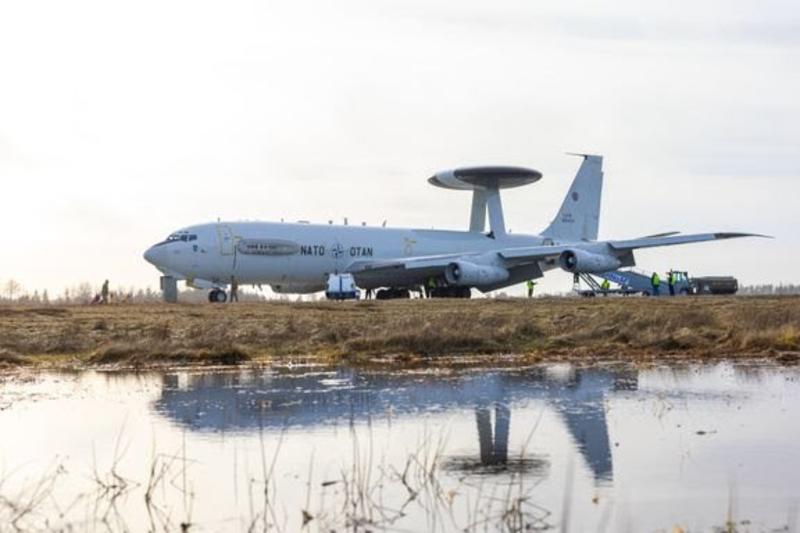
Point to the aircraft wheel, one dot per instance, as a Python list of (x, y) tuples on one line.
[(217, 296)]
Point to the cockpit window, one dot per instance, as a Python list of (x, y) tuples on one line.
[(180, 236)]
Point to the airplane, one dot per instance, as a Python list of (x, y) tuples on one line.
[(298, 258)]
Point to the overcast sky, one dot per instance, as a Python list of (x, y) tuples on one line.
[(120, 122)]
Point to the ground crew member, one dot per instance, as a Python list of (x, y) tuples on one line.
[(605, 286), (430, 285), (531, 285), (671, 280), (234, 290), (655, 281), (368, 294), (104, 293)]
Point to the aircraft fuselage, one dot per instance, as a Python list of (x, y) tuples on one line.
[(300, 256)]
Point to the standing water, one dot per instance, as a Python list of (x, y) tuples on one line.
[(608, 448)]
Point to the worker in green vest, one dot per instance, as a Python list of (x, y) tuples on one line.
[(531, 285), (430, 285), (605, 286), (104, 293), (672, 279), (655, 281)]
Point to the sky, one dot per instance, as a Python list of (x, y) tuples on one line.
[(123, 121)]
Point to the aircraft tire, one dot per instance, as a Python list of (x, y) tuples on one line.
[(393, 294), (217, 296)]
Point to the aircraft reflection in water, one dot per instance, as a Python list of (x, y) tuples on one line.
[(299, 398)]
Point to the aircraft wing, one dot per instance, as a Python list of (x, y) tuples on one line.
[(523, 260), (531, 253), (511, 256), (670, 240), (405, 263)]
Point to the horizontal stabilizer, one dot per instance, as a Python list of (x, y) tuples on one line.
[(651, 242), (664, 234)]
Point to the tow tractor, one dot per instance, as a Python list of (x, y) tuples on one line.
[(632, 282)]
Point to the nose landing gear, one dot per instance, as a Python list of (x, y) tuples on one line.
[(217, 296)]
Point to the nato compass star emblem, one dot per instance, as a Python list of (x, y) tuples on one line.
[(337, 250)]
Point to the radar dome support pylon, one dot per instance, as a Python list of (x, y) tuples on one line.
[(485, 184), (477, 216)]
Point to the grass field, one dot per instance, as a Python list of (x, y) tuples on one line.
[(422, 331)]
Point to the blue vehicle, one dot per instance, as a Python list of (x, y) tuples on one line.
[(632, 282)]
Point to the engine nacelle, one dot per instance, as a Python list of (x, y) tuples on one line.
[(468, 274), (580, 261)]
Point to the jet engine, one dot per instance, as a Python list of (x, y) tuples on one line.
[(580, 261), (468, 274)]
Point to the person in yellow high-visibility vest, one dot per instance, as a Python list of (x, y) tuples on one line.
[(655, 282), (605, 286), (531, 285)]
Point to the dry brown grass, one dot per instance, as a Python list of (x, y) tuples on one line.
[(550, 328)]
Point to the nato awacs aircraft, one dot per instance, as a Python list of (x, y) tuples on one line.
[(299, 258)]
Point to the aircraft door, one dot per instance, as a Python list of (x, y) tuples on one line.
[(227, 251), (226, 240)]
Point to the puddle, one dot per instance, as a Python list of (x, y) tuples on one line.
[(549, 446)]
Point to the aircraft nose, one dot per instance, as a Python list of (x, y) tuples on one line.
[(154, 255)]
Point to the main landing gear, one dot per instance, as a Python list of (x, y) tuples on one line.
[(217, 296), (395, 293), (392, 294), (451, 292)]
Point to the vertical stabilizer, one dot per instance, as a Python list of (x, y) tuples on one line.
[(579, 216)]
